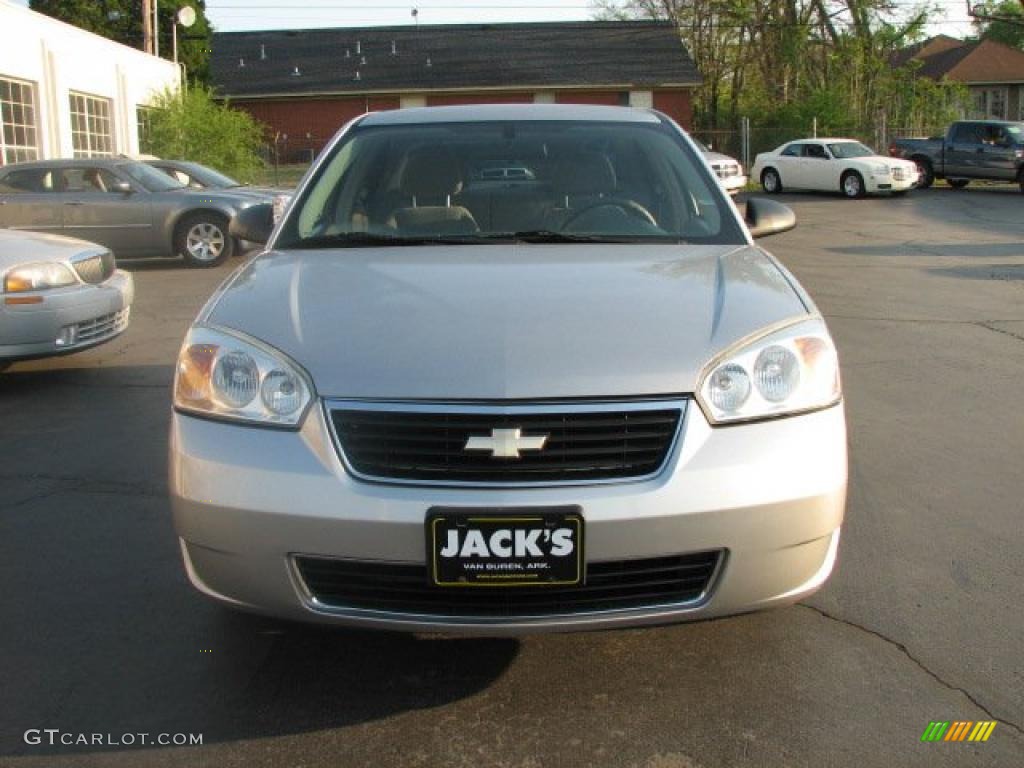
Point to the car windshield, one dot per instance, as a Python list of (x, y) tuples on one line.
[(532, 181), (149, 177), (208, 177), (845, 150)]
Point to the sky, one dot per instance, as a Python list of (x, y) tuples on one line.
[(235, 15)]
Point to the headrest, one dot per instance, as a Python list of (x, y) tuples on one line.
[(431, 173), (585, 173)]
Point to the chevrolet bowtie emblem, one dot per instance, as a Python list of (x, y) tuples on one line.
[(506, 443)]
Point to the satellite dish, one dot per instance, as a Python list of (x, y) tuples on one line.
[(187, 16)]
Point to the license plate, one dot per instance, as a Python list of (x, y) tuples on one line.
[(506, 547)]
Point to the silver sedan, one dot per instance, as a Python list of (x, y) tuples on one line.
[(452, 398), (58, 295), (127, 206)]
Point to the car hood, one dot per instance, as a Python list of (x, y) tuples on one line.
[(21, 247), (506, 321)]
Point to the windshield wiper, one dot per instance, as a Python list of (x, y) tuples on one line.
[(370, 239), (541, 236)]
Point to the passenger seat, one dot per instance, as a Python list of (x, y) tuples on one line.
[(430, 180)]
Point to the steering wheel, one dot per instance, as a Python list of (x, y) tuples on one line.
[(629, 207)]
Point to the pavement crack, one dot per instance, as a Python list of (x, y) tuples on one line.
[(920, 664), (1005, 331)]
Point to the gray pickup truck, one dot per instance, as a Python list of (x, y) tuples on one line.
[(992, 150)]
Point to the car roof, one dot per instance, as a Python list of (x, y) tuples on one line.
[(67, 162), (483, 113)]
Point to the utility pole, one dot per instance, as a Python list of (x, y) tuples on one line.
[(156, 27), (147, 26)]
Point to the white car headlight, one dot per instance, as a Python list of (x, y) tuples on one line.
[(787, 371), (228, 375), (40, 276)]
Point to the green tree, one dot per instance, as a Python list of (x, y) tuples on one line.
[(121, 20), (1001, 21), (192, 125)]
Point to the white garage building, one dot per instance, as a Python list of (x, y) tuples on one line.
[(65, 92)]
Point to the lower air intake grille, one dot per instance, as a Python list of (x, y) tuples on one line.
[(582, 444), (610, 586)]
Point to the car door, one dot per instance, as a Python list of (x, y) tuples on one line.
[(963, 151), (999, 153), (789, 164), (96, 209), (817, 165), (28, 200)]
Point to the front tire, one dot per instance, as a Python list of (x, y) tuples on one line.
[(958, 183), (203, 240), (925, 173), (852, 184), (771, 182)]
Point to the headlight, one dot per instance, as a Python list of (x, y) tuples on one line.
[(38, 277), (228, 375), (787, 371)]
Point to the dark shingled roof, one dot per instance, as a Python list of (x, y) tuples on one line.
[(450, 57)]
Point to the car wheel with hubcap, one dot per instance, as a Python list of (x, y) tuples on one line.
[(925, 175), (852, 184), (771, 182), (958, 183), (203, 240)]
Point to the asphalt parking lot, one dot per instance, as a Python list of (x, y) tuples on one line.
[(922, 621)]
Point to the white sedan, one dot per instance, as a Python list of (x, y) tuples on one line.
[(833, 165)]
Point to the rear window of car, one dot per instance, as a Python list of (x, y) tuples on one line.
[(27, 181), (489, 181)]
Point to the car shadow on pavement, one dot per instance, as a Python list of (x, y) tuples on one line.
[(102, 632)]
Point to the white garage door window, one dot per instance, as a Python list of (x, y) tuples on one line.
[(91, 130), (18, 137)]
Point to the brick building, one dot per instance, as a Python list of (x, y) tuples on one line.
[(305, 84)]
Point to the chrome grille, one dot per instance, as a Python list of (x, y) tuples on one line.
[(416, 443), (95, 269), (899, 174), (101, 327), (677, 580), (724, 171)]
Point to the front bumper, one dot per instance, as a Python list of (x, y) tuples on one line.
[(734, 184), (875, 184), (67, 320), (770, 495)]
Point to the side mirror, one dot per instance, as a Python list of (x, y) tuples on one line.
[(254, 223), (122, 187), (767, 217)]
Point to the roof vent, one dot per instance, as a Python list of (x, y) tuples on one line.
[(296, 72), (241, 63), (359, 46), (429, 62), (362, 61), (394, 48), (263, 52), (348, 53), (358, 77)]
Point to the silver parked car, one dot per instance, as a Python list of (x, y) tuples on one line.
[(127, 206), (58, 295), (575, 398)]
